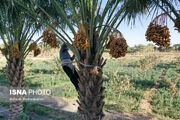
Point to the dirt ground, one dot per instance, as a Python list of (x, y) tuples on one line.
[(165, 56)]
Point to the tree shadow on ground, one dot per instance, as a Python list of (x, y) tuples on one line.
[(29, 83), (165, 65), (134, 94), (132, 65), (163, 85), (143, 84), (42, 71), (162, 65)]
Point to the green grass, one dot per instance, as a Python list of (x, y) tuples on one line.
[(119, 95), (128, 99), (163, 102)]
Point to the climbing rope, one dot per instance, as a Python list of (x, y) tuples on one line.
[(92, 66)]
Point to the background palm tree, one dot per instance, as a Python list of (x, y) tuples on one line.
[(16, 31)]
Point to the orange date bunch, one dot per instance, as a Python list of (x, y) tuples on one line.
[(49, 36), (81, 39), (14, 51), (158, 34), (117, 45)]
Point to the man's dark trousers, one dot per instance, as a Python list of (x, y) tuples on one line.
[(74, 77)]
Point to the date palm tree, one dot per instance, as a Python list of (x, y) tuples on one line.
[(16, 31), (91, 29)]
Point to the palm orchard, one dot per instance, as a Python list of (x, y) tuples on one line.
[(94, 30)]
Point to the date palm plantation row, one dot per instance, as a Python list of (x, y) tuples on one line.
[(94, 24)]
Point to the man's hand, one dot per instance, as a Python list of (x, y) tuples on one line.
[(73, 57)]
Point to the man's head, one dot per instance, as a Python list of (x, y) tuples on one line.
[(64, 46)]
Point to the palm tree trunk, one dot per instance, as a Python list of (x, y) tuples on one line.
[(16, 80), (91, 96)]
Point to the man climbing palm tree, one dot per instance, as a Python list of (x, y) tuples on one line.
[(67, 65)]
